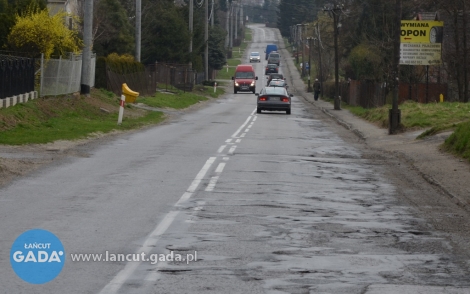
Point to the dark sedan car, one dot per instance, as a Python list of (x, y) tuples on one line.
[(271, 68), (273, 98)]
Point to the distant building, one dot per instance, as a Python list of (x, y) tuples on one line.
[(69, 6)]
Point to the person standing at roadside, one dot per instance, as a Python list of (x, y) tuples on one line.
[(316, 89)]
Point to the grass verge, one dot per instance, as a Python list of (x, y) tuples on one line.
[(73, 117), (459, 142), (436, 116)]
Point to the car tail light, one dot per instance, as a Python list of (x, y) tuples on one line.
[(285, 99), (262, 98)]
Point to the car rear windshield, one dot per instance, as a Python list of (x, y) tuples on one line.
[(275, 91), (272, 65), (275, 55), (244, 75), (277, 83)]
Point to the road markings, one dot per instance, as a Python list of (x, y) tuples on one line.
[(220, 167), (232, 149), (152, 239), (117, 282), (241, 127), (221, 148), (212, 184), (150, 242), (201, 175)]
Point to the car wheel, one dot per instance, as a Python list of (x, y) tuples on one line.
[(288, 111), (258, 110)]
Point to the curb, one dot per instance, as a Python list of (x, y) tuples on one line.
[(345, 124)]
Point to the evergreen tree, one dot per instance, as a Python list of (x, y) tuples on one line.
[(165, 33), (114, 33), (216, 48)]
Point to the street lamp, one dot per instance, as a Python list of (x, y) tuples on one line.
[(335, 12), (309, 39), (300, 38)]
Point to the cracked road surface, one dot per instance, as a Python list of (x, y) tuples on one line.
[(266, 203)]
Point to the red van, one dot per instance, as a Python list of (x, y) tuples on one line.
[(244, 79)]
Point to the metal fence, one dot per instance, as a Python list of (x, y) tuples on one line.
[(168, 75), (422, 92), (369, 94), (180, 76), (63, 75), (16, 75), (144, 82)]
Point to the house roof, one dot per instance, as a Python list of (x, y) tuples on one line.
[(427, 16)]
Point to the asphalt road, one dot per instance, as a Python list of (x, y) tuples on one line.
[(266, 203)]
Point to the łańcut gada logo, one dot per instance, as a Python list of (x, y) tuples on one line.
[(37, 256)]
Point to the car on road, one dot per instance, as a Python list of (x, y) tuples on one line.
[(244, 79), (269, 48), (255, 57), (274, 57), (273, 99), (271, 68), (273, 76), (278, 83)]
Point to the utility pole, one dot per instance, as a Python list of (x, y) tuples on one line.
[(236, 20), (309, 39), (88, 44), (297, 42), (191, 20), (319, 57), (227, 25), (138, 21), (301, 41), (394, 113), (212, 14), (232, 10), (206, 40), (335, 12), (242, 21)]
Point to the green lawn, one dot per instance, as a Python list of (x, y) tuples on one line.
[(66, 118), (459, 142), (224, 75), (69, 117), (434, 116)]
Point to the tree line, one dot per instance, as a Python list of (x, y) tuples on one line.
[(27, 29), (366, 38)]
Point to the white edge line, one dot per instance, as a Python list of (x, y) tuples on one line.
[(242, 126), (220, 167), (116, 283), (221, 148)]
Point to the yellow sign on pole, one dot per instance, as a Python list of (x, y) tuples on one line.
[(421, 42), (419, 31)]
